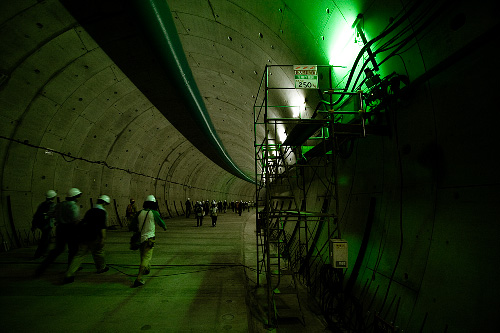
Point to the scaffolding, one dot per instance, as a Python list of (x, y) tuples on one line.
[(287, 230)]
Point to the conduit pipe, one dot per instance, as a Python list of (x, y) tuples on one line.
[(156, 18)]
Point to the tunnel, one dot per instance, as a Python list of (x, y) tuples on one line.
[(163, 97)]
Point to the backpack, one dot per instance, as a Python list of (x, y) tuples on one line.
[(213, 211), (41, 219), (90, 226)]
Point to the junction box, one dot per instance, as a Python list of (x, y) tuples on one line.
[(338, 253)]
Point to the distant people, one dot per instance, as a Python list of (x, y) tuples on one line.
[(188, 208), (198, 210), (240, 207), (233, 205), (213, 213), (43, 219), (224, 205), (145, 223), (131, 212), (67, 215), (206, 207), (219, 206), (91, 237)]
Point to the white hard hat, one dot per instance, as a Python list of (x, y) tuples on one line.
[(105, 198), (50, 194), (150, 198), (73, 192)]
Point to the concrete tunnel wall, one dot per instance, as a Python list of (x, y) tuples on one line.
[(439, 172), (64, 94)]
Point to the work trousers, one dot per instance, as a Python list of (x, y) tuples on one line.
[(65, 234), (199, 220), (43, 242), (96, 247), (146, 251)]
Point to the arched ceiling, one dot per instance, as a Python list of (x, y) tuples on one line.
[(63, 90), (88, 85)]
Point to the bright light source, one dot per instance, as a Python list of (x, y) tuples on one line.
[(281, 133), (344, 48)]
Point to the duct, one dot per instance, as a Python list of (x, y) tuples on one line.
[(141, 38)]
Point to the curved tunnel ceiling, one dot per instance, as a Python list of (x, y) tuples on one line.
[(61, 90), (72, 115), (87, 85)]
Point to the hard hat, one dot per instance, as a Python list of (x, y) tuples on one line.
[(50, 194), (150, 198), (105, 198), (189, 199), (73, 192)]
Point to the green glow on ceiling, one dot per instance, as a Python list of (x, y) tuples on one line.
[(344, 46)]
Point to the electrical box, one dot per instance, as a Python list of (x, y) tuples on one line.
[(338, 253)]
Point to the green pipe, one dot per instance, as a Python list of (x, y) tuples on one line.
[(156, 18)]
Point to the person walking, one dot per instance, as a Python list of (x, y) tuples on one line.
[(213, 213), (224, 205), (240, 207), (43, 219), (67, 215), (131, 212), (188, 208), (198, 210), (145, 223), (91, 234), (206, 207)]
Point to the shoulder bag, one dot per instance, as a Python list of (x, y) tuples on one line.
[(135, 240)]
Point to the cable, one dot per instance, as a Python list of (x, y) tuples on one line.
[(416, 32), (69, 158), (116, 267), (369, 44), (396, 138)]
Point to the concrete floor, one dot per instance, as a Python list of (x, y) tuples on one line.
[(202, 280)]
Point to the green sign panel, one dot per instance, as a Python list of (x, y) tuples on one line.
[(306, 76)]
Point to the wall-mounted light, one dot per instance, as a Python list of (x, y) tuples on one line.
[(356, 25)]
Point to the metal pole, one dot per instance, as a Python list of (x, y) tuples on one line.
[(12, 225), (117, 215)]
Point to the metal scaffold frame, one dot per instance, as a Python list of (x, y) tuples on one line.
[(286, 231)]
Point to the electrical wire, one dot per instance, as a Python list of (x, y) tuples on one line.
[(121, 267), (371, 42), (69, 158), (417, 31), (400, 169)]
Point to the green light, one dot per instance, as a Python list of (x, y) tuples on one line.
[(344, 46), (305, 149)]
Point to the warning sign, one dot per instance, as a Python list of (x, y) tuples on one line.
[(306, 76)]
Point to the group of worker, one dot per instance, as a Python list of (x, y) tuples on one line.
[(87, 235), (202, 208)]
